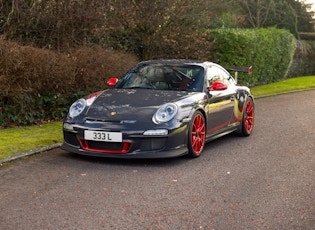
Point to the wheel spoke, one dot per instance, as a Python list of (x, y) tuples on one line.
[(197, 144), (249, 116), (198, 134), (194, 140), (249, 108)]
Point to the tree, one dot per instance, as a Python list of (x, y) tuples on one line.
[(154, 28), (288, 14), (146, 28), (51, 23)]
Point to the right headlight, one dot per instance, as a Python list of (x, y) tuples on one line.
[(165, 113), (77, 108)]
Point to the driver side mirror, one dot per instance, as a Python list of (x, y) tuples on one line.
[(112, 82), (218, 85)]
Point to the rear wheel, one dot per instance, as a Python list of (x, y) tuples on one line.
[(196, 135), (248, 118)]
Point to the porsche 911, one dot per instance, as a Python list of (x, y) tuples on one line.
[(160, 109)]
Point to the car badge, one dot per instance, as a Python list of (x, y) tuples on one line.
[(113, 113)]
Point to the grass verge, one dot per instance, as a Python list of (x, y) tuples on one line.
[(287, 85), (21, 139)]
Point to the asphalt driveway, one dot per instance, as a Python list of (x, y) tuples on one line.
[(265, 181)]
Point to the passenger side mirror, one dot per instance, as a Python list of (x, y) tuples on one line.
[(112, 82), (217, 85)]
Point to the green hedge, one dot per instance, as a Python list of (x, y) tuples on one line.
[(39, 85), (34, 109), (270, 51)]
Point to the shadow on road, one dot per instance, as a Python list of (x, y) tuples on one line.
[(165, 162)]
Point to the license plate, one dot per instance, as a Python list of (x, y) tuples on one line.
[(103, 136)]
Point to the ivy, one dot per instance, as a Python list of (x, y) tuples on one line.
[(34, 109)]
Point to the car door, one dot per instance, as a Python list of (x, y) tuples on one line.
[(221, 100)]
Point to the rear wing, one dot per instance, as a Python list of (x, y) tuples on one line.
[(248, 70)]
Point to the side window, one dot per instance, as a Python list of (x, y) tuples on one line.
[(216, 74)]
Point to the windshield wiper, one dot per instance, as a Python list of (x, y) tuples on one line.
[(140, 87)]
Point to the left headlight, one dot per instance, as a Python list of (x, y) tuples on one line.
[(165, 113), (77, 108)]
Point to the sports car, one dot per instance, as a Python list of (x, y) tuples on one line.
[(160, 109)]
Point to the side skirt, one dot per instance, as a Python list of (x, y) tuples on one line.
[(220, 133)]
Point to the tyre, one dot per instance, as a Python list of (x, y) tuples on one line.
[(248, 118), (196, 135)]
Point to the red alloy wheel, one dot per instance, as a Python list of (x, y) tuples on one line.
[(249, 117), (197, 135)]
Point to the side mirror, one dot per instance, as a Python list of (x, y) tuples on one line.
[(112, 82), (217, 85)]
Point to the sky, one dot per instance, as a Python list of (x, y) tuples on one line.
[(310, 2)]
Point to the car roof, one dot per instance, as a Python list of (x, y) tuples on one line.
[(204, 64)]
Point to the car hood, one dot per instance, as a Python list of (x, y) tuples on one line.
[(132, 104)]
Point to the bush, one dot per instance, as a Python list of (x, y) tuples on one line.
[(303, 61), (35, 109), (94, 66), (25, 70), (193, 45), (270, 52), (39, 85)]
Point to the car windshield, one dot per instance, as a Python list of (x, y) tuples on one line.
[(164, 77)]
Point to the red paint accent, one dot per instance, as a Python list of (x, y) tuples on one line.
[(250, 70), (218, 127), (236, 119), (112, 82), (94, 94), (217, 85), (126, 148)]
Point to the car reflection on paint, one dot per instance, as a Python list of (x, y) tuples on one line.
[(159, 109)]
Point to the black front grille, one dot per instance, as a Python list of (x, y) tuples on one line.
[(150, 144), (100, 120), (71, 138), (105, 145)]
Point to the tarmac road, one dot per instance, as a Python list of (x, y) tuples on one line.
[(265, 181)]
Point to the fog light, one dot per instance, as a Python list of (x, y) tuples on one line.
[(157, 132), (68, 127)]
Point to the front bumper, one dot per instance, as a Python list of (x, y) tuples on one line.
[(134, 143)]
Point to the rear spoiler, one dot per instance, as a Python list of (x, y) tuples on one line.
[(248, 70)]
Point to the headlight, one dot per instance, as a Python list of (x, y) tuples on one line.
[(165, 113), (77, 108)]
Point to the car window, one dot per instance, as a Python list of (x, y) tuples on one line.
[(164, 77), (215, 73)]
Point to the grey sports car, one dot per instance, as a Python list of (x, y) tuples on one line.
[(158, 109)]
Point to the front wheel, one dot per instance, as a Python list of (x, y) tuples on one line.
[(248, 118), (196, 135)]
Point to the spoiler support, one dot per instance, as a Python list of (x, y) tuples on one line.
[(248, 70)]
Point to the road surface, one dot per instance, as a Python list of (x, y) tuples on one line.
[(265, 181)]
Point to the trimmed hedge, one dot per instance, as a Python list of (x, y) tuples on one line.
[(270, 51), (38, 85)]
